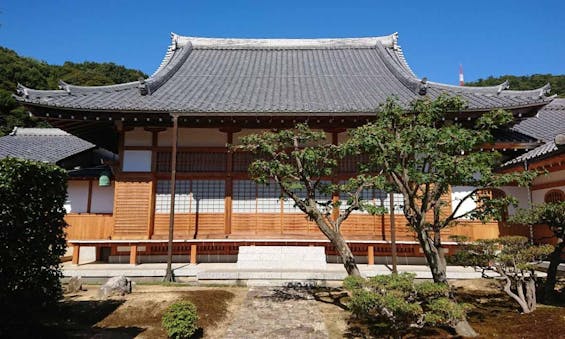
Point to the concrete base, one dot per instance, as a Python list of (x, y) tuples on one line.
[(230, 274), (281, 258)]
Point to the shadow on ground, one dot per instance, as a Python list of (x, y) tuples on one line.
[(69, 319)]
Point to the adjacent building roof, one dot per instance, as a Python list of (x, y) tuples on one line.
[(549, 122), (283, 76), (42, 144)]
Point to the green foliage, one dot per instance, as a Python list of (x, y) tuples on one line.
[(180, 320), (40, 75), (425, 151), (551, 214), (512, 258), (511, 254), (525, 82), (401, 303), (32, 237), (298, 160)]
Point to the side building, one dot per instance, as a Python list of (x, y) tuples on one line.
[(548, 159), (211, 92), (90, 185)]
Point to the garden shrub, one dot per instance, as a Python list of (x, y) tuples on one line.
[(399, 303), (513, 259), (180, 320), (32, 238)]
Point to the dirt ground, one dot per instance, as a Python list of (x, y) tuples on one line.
[(84, 315), (493, 315), (139, 314)]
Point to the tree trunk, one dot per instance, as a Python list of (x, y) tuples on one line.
[(531, 294), (438, 266), (508, 289), (554, 261), (341, 246), (434, 256), (346, 255)]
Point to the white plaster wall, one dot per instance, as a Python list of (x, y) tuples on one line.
[(520, 193), (102, 199), (77, 196), (193, 137), (538, 196), (137, 161), (550, 177), (457, 194), (138, 137)]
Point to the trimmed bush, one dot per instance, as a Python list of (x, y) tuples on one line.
[(180, 320), (397, 303), (32, 237)]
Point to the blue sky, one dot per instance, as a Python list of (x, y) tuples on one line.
[(487, 37)]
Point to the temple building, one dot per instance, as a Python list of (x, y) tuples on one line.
[(214, 91)]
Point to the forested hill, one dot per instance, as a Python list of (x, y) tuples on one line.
[(40, 75), (526, 82)]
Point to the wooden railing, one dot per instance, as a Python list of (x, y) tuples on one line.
[(89, 226)]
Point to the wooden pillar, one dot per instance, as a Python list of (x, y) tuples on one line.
[(76, 254), (154, 144), (193, 254), (133, 255), (371, 255), (393, 234), (229, 186), (169, 272), (89, 199)]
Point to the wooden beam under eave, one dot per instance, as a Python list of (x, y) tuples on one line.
[(228, 185), (154, 140)]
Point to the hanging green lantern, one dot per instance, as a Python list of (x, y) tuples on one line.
[(104, 179)]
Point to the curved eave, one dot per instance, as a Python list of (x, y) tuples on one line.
[(139, 99), (89, 110)]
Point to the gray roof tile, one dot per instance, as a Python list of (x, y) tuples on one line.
[(549, 122), (42, 144), (238, 76)]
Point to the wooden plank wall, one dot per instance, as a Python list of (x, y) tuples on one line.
[(89, 226), (132, 205), (190, 225)]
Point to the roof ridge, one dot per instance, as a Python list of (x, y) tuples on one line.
[(286, 43), (38, 131)]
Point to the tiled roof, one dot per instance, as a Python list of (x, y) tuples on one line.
[(42, 144), (283, 76), (545, 149), (512, 136), (549, 122)]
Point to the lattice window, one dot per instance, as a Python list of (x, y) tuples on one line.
[(288, 203), (268, 198), (350, 164), (193, 161), (244, 196), (163, 161), (376, 198), (208, 196), (554, 195), (182, 196), (241, 161), (201, 161)]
